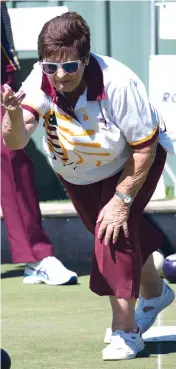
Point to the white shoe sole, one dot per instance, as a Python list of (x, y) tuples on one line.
[(110, 356), (39, 280)]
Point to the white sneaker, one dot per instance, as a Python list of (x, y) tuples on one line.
[(50, 271), (123, 346), (145, 320)]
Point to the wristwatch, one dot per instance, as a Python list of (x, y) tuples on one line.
[(127, 199)]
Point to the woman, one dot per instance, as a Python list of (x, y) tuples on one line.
[(101, 137)]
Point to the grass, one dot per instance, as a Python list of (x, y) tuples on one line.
[(65, 201), (46, 327), (169, 193)]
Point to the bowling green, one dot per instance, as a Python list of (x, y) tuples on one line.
[(48, 327)]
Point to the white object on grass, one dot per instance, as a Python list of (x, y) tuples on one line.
[(159, 358), (154, 334), (107, 337), (160, 334), (158, 259)]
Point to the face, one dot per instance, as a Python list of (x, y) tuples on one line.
[(61, 80)]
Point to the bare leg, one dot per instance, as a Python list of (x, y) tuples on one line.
[(123, 314), (151, 283), (123, 310)]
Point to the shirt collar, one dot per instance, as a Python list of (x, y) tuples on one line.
[(95, 85)]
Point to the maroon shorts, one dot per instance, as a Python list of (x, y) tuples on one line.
[(116, 269)]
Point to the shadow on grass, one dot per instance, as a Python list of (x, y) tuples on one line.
[(81, 269), (157, 348), (15, 272)]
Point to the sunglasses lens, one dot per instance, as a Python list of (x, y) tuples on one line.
[(49, 68), (71, 67)]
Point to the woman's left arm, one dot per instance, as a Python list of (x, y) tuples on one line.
[(137, 122), (114, 215), (136, 170)]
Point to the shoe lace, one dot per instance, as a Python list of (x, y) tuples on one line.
[(42, 271)]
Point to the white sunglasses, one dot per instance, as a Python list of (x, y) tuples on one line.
[(68, 67)]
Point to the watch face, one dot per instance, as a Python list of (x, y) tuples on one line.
[(127, 199)]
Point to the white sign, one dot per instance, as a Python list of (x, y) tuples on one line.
[(162, 92), (162, 86), (28, 22), (167, 24)]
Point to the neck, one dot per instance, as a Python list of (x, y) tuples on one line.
[(73, 96)]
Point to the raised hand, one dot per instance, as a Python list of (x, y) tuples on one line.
[(11, 100)]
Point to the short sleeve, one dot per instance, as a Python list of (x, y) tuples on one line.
[(134, 115), (35, 100)]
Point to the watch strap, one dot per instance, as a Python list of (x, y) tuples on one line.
[(127, 199)]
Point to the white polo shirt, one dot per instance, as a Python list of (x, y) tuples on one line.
[(92, 141)]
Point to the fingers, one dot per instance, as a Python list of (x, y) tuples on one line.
[(7, 91), (110, 225), (7, 87), (9, 99), (111, 232), (1, 98), (102, 230), (5, 95), (17, 99), (20, 95), (115, 235), (108, 234), (101, 215), (125, 229)]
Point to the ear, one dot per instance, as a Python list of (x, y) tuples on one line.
[(86, 59)]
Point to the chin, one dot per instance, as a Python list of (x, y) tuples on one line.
[(65, 88), (69, 90)]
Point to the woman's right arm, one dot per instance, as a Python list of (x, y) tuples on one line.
[(18, 124)]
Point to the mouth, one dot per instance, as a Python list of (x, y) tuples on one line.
[(62, 82)]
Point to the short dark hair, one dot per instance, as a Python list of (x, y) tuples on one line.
[(62, 33)]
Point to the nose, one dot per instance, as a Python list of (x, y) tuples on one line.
[(60, 73)]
